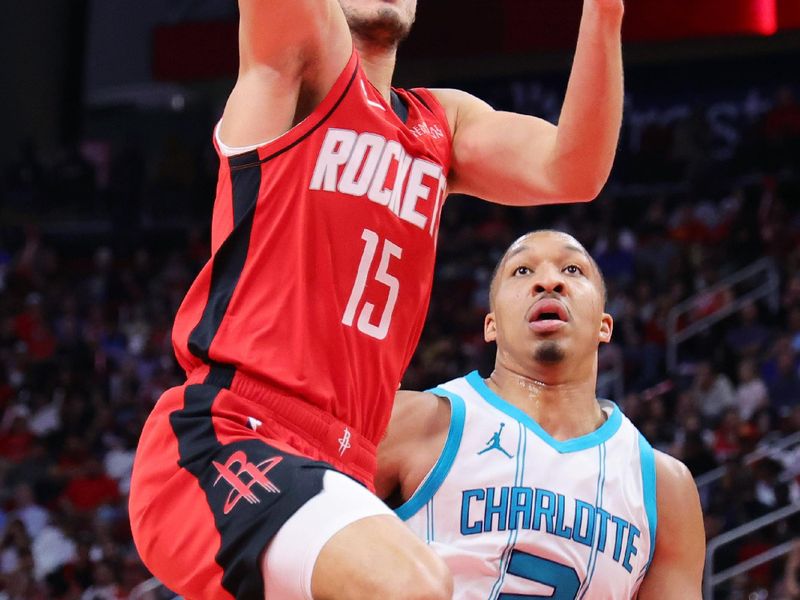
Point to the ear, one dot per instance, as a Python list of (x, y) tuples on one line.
[(489, 328), (606, 328)]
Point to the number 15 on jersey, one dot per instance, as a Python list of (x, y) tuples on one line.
[(388, 252)]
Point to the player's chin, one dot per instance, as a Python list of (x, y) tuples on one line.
[(388, 27), (550, 352), (392, 27)]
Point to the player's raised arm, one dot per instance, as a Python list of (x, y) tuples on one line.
[(290, 54), (516, 159), (677, 569)]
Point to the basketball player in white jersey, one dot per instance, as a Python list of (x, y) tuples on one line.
[(525, 483)]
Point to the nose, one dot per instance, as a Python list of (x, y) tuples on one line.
[(548, 280)]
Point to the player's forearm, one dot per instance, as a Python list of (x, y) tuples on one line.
[(589, 125), (271, 30)]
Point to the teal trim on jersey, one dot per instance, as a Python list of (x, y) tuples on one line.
[(648, 460), (442, 467), (601, 484), (590, 440), (433, 520), (513, 533)]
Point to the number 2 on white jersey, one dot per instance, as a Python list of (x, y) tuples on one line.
[(390, 250)]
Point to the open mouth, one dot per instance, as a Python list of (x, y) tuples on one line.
[(548, 310)]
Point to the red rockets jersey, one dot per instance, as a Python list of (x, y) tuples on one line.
[(323, 246)]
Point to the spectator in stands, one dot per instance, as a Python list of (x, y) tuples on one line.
[(727, 436), (794, 327), (20, 584), (33, 516), (791, 295), (751, 392), (91, 489), (697, 457), (749, 337), (616, 258), (52, 548), (784, 391), (16, 438), (14, 544), (106, 583), (709, 298), (771, 492), (712, 392)]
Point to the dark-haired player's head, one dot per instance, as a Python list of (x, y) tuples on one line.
[(380, 23), (547, 299), (521, 239)]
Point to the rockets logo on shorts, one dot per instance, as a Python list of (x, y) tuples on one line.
[(344, 442), (234, 471)]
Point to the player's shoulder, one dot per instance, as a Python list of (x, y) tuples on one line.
[(454, 97), (412, 442), (459, 105), (414, 413), (671, 470), (675, 485)]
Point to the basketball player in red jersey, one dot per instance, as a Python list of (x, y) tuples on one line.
[(296, 333)]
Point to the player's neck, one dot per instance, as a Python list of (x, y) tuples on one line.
[(378, 63), (562, 402)]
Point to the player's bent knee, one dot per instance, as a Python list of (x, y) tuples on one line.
[(345, 544), (379, 557)]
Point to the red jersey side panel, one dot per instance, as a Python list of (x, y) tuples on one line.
[(323, 247)]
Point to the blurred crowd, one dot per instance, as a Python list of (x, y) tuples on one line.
[(86, 312)]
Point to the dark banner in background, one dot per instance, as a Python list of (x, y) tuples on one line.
[(207, 50)]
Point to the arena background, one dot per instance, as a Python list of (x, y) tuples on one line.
[(106, 188)]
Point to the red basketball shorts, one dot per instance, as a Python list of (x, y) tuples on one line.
[(222, 464)]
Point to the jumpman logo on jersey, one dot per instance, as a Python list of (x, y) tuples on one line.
[(494, 443), (256, 474), (344, 442)]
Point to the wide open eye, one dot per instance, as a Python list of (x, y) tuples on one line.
[(522, 270), (573, 270)]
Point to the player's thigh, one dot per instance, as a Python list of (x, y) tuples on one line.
[(346, 544)]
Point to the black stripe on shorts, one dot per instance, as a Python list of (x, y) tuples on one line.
[(251, 487)]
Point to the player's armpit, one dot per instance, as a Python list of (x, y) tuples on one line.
[(271, 30), (677, 569), (291, 53)]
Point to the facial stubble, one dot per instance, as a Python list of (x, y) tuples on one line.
[(549, 352), (385, 30)]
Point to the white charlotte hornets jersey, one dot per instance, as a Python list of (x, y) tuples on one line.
[(519, 515)]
